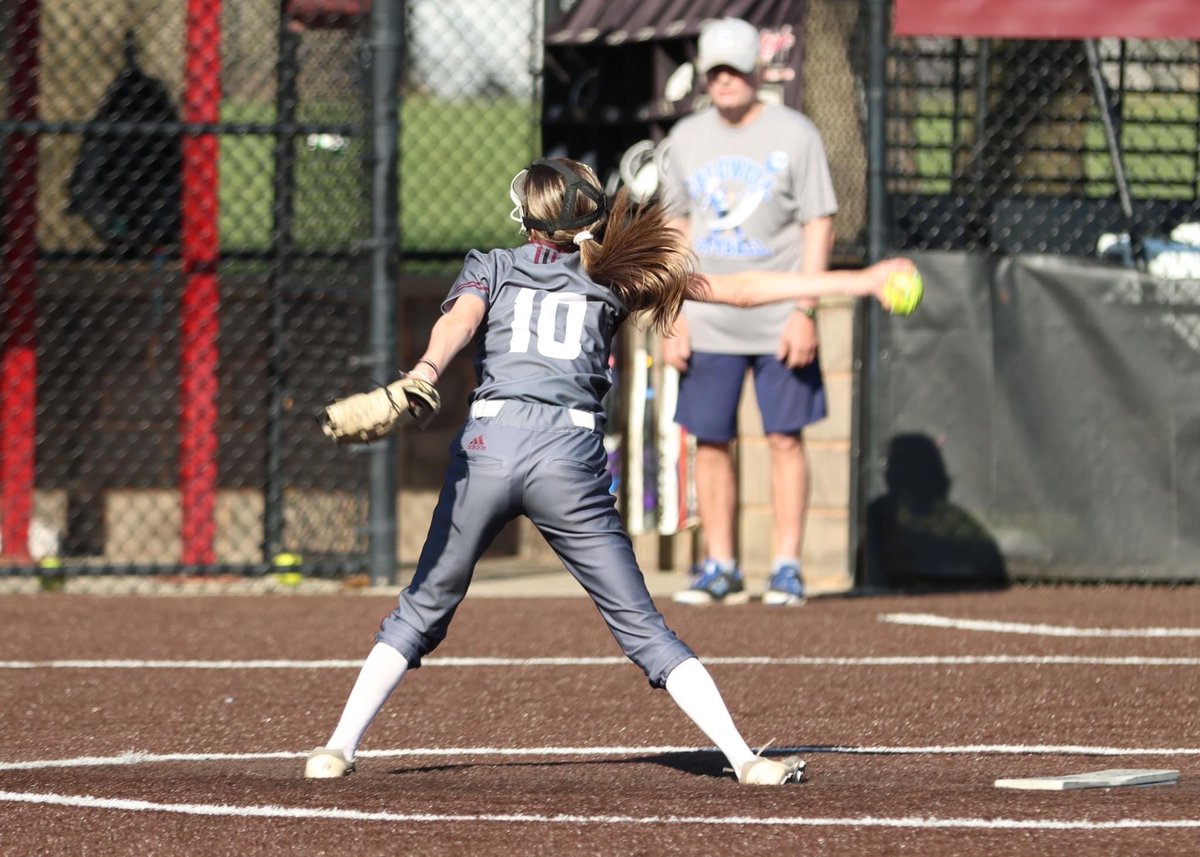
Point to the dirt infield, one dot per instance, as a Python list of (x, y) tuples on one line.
[(178, 725)]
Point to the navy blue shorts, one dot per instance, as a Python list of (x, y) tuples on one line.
[(788, 399)]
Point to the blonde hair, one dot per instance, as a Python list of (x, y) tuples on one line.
[(629, 247)]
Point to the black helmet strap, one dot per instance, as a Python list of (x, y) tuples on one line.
[(575, 185)]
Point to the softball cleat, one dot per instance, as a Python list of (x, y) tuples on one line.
[(761, 771), (326, 763)]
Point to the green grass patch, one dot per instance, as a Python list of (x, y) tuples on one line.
[(456, 161), (1159, 139)]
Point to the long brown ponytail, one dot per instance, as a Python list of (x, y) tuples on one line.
[(630, 249), (644, 261)]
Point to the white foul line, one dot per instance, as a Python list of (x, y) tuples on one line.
[(89, 802), (143, 758), (881, 661), (932, 621)]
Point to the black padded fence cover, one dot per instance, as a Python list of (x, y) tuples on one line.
[(1038, 417)]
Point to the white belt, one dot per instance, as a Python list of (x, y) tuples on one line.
[(492, 407)]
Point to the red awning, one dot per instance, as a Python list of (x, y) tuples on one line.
[(615, 22), (1058, 19)]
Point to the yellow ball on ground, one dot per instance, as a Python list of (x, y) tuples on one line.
[(283, 561), (903, 291)]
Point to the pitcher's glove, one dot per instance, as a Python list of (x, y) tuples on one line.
[(365, 417)]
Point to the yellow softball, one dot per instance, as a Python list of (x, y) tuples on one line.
[(903, 291)]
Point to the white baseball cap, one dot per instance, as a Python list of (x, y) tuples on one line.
[(728, 41)]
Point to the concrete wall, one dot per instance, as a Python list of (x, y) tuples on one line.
[(826, 553)]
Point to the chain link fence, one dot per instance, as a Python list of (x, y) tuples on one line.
[(186, 223), (1016, 146), (1034, 419), (186, 218)]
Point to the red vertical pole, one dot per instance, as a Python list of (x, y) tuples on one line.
[(18, 360), (199, 321)]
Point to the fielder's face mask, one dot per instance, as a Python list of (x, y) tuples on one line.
[(575, 184)]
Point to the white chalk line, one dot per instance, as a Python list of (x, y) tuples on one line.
[(336, 814), (84, 801), (134, 757), (931, 620), (883, 661), (89, 802)]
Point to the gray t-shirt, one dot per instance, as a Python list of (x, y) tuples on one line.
[(549, 328), (747, 192)]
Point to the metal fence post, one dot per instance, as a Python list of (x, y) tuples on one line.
[(863, 442), (282, 250), (387, 40)]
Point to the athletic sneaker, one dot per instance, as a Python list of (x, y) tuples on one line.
[(761, 771), (326, 763), (786, 587), (710, 584)]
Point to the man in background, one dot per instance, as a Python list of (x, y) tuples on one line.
[(749, 184)]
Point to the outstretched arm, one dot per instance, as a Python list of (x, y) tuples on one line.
[(677, 347), (753, 288)]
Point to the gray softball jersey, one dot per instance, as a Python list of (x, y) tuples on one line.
[(543, 364), (548, 331)]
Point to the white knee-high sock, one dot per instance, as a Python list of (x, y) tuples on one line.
[(696, 693), (379, 676)]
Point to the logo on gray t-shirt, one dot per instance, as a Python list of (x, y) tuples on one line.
[(726, 192)]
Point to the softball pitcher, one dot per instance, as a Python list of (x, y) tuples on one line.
[(543, 317)]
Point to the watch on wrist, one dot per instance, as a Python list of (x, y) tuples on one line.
[(810, 311)]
